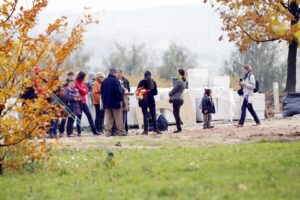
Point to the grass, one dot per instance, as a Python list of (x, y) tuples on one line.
[(250, 171)]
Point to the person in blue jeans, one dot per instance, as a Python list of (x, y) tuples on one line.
[(248, 85)]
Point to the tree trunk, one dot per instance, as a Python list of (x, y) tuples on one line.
[(292, 67)]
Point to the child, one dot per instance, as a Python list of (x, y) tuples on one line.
[(208, 108), (72, 99)]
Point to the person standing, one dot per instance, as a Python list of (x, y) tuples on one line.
[(208, 108), (176, 98), (248, 84), (126, 107), (83, 90), (147, 101), (112, 97), (72, 99), (64, 114), (99, 112)]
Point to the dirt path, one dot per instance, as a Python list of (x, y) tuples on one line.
[(222, 134)]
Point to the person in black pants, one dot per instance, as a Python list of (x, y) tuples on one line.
[(147, 89), (99, 112), (176, 98), (83, 90), (72, 99)]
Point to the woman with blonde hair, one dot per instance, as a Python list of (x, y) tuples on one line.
[(248, 83), (99, 112)]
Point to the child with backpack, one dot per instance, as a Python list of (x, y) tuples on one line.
[(208, 108), (72, 99)]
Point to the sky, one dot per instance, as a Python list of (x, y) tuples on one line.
[(98, 5)]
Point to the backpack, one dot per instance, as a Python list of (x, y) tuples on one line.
[(256, 89), (161, 122)]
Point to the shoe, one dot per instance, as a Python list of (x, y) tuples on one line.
[(205, 127), (239, 125), (121, 134), (70, 135), (178, 131), (108, 134), (158, 132), (145, 133), (96, 133), (210, 127), (257, 124)]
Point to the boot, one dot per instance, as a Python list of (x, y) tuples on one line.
[(145, 133)]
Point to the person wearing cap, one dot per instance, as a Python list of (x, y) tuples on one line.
[(83, 90), (147, 101), (112, 97), (99, 112), (248, 84)]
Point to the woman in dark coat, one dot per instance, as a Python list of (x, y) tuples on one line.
[(147, 101)]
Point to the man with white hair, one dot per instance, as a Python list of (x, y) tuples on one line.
[(112, 97)]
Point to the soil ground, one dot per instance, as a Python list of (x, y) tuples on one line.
[(224, 133)]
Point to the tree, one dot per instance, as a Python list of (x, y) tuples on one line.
[(264, 60), (132, 60), (263, 21), (174, 58), (78, 60), (23, 121)]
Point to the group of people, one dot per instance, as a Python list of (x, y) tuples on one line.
[(110, 98)]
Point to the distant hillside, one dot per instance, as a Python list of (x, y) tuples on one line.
[(195, 27)]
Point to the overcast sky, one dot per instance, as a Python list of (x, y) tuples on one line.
[(76, 5)]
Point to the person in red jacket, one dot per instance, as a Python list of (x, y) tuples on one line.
[(83, 90)]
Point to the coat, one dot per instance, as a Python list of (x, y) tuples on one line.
[(111, 93), (177, 91), (248, 89), (96, 92), (71, 97), (208, 104), (83, 90), (148, 99)]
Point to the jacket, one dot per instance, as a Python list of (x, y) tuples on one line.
[(83, 90), (177, 91), (208, 104), (111, 93), (96, 92), (72, 99), (126, 84), (148, 99), (250, 82)]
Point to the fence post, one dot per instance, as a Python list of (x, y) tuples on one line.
[(276, 97)]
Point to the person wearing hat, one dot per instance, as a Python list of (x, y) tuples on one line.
[(147, 101), (248, 84), (99, 112), (112, 97)]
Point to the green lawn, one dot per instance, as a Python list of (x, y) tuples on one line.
[(249, 171)]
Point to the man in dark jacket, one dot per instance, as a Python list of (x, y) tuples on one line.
[(112, 96)]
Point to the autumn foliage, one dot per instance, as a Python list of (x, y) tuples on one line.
[(248, 21), (30, 60)]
